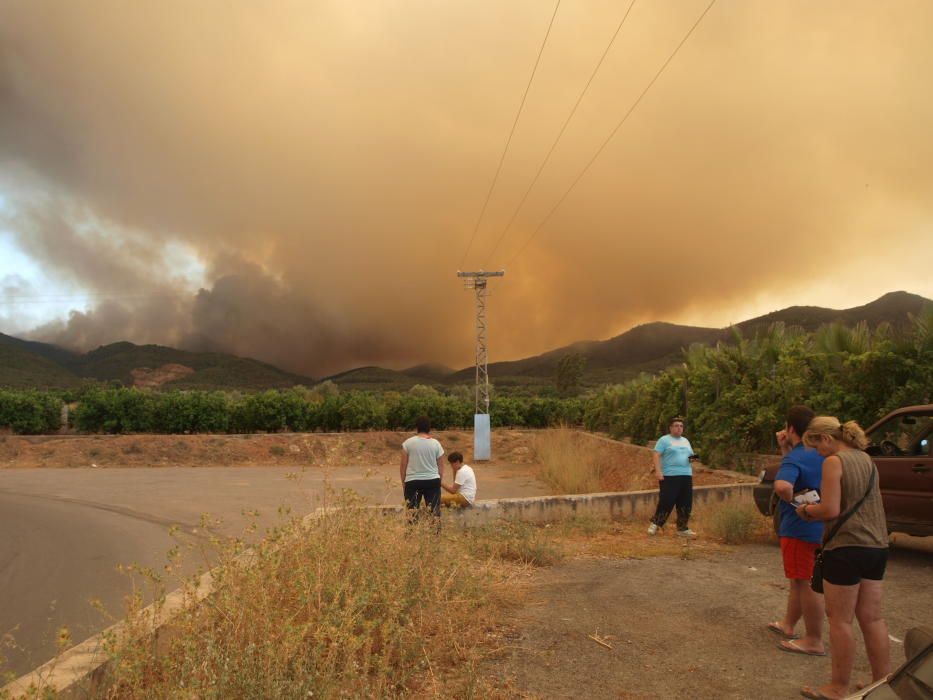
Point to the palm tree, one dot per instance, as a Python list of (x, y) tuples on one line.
[(837, 338), (922, 327)]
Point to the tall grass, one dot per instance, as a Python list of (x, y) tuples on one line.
[(569, 462), (737, 523), (515, 541), (357, 604)]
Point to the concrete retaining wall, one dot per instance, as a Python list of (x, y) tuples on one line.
[(615, 505), (80, 672), (629, 504)]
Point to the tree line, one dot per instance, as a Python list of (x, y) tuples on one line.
[(733, 396), (126, 410)]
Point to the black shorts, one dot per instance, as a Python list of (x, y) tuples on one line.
[(846, 566)]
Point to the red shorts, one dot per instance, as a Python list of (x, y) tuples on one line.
[(798, 557)]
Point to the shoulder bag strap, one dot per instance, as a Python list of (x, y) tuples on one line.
[(851, 511)]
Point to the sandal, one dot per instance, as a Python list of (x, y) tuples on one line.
[(776, 628), (815, 694), (791, 647)]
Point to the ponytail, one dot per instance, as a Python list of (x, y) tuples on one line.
[(853, 435)]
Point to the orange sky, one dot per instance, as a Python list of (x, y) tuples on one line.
[(321, 166)]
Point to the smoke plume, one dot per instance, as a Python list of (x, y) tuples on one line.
[(324, 165)]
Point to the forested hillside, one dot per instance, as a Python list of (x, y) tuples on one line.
[(733, 395)]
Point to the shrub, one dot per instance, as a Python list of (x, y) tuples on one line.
[(734, 394), (115, 411), (327, 414), (30, 412), (515, 541), (355, 605), (736, 523), (191, 412), (360, 411), (261, 412), (569, 464), (506, 412)]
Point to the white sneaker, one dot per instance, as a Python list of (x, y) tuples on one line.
[(652, 529), (687, 533)]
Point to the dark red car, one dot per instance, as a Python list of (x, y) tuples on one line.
[(900, 447)]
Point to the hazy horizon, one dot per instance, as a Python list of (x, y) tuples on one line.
[(430, 362)]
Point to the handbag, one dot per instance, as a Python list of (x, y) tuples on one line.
[(816, 578)]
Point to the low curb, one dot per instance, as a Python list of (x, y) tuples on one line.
[(626, 504)]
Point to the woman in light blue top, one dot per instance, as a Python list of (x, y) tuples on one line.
[(672, 456)]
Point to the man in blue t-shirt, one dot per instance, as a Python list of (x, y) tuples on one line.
[(672, 457), (801, 471)]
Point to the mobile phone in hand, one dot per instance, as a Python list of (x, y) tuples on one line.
[(808, 496)]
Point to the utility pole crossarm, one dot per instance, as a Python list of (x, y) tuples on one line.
[(481, 273)]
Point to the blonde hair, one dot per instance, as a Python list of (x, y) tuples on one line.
[(850, 433)]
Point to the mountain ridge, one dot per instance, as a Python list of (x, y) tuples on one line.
[(648, 347), (652, 346), (27, 364)]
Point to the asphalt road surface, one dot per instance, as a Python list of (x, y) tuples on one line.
[(64, 532), (55, 556)]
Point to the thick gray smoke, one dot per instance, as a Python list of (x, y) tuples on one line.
[(325, 163)]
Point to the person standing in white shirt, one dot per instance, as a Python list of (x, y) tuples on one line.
[(462, 492), (420, 469)]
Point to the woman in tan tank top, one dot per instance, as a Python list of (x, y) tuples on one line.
[(854, 559)]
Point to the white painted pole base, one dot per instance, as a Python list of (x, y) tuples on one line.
[(482, 437)]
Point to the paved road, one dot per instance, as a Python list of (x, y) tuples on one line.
[(63, 532), (56, 556)]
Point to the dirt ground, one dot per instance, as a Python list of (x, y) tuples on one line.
[(279, 449), (514, 449), (682, 622)]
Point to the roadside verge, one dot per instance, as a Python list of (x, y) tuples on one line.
[(81, 672)]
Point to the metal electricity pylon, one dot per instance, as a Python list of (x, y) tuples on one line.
[(477, 282)]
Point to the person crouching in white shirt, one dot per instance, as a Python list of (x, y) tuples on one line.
[(462, 492)]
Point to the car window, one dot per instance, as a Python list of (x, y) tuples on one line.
[(903, 436)]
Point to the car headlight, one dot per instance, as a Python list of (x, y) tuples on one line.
[(761, 475)]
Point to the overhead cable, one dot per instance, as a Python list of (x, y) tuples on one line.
[(505, 150), (612, 133), (563, 128)]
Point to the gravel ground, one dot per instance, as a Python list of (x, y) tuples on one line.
[(681, 628)]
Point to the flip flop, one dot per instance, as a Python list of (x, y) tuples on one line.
[(776, 628), (808, 692), (790, 647)]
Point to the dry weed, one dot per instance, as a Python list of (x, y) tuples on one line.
[(356, 604), (569, 462), (736, 523)]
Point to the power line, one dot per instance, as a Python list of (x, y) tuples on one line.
[(612, 134), (560, 134), (518, 114)]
